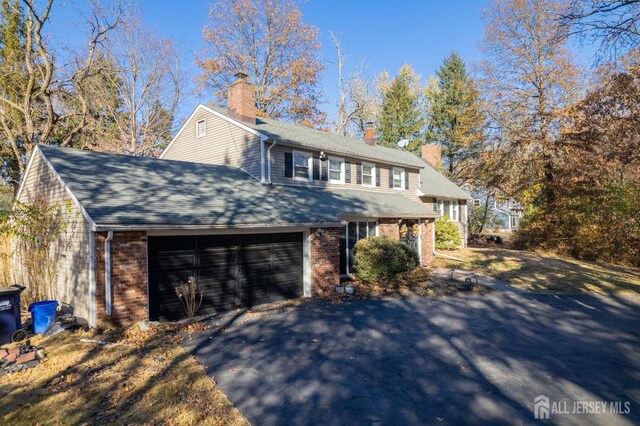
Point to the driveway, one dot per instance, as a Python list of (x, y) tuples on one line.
[(428, 361)]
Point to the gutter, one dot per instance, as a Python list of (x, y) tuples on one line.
[(269, 159), (107, 272)]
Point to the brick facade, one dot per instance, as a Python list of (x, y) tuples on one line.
[(389, 228), (325, 260), (128, 278), (426, 241)]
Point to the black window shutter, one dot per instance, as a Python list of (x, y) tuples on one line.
[(391, 177), (406, 179), (378, 176), (316, 168), (347, 172), (325, 170), (359, 174), (435, 204), (288, 164)]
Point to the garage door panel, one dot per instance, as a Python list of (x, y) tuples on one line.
[(245, 269)]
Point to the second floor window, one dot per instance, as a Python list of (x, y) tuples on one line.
[(368, 174), (201, 128), (398, 178), (336, 170), (301, 165)]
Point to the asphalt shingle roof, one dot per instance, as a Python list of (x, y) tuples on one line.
[(306, 137), (119, 190), (435, 184)]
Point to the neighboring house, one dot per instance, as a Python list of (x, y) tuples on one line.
[(508, 211), (256, 210)]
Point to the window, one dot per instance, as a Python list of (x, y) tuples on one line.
[(455, 212), (336, 170), (368, 174), (448, 208), (398, 178), (201, 128), (302, 166), (355, 232), (476, 202)]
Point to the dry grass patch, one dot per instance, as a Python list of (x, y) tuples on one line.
[(144, 378), (546, 272)]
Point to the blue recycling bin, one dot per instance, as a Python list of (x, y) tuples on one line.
[(43, 314), (9, 312)]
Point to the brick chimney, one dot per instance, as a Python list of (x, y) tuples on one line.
[(432, 154), (369, 133), (241, 99)]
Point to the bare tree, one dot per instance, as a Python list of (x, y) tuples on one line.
[(147, 82), (34, 105), (356, 99), (614, 24)]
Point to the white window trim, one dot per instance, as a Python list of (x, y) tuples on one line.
[(309, 164), (402, 178), (373, 174), (454, 203), (342, 170), (198, 133)]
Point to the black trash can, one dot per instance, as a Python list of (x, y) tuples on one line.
[(9, 312)]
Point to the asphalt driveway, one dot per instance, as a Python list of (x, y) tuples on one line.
[(429, 361)]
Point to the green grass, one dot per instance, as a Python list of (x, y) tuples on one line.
[(546, 272)]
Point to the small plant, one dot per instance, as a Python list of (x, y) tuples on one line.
[(383, 258), (447, 234), (190, 295)]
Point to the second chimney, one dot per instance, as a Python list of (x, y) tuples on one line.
[(369, 133), (432, 154), (241, 99)]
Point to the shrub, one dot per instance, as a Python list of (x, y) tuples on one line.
[(481, 218), (190, 296), (383, 258), (447, 234)]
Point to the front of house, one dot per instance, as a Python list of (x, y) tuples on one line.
[(256, 210)]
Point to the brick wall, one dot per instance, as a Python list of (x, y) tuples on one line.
[(325, 260), (389, 228), (128, 278), (426, 239)]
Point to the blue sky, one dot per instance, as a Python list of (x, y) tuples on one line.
[(384, 34)]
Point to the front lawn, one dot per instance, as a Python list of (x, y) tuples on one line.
[(145, 378), (546, 272)]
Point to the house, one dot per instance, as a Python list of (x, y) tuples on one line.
[(507, 211), (255, 209)]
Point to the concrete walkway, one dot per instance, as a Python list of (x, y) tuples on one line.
[(449, 360)]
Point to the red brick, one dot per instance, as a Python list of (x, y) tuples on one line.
[(15, 351), (325, 260), (3, 353), (11, 357), (29, 356)]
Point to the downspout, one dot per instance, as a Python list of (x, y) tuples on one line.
[(433, 240), (92, 279), (262, 177), (107, 272), (269, 159)]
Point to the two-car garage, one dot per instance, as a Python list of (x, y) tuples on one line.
[(231, 270)]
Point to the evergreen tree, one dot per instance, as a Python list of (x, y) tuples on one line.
[(400, 115), (455, 119)]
